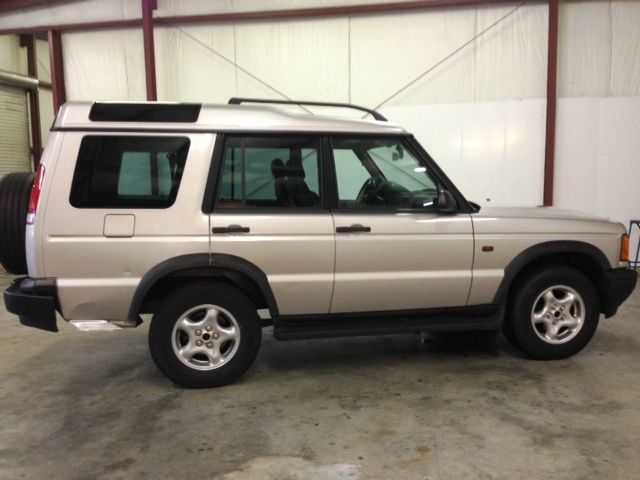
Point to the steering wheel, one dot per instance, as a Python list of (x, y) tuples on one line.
[(369, 191)]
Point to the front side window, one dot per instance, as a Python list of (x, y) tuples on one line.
[(128, 172), (381, 173), (270, 172)]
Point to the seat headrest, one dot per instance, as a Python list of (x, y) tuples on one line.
[(295, 170), (277, 168)]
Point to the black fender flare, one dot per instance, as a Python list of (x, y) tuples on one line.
[(202, 260), (540, 250)]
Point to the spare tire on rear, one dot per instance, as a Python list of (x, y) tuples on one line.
[(15, 190)]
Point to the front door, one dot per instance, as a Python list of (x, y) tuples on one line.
[(394, 251)]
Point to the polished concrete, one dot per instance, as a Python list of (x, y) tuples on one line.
[(92, 406)]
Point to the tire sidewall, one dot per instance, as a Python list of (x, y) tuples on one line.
[(175, 305), (520, 330)]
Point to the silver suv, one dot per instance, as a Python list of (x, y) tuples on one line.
[(221, 219)]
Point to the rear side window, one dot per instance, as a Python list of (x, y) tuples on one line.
[(128, 172), (276, 172)]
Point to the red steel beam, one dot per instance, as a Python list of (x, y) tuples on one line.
[(261, 15), (29, 41), (148, 6), (73, 27), (552, 77), (57, 69), (366, 9)]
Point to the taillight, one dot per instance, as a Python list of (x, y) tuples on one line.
[(624, 248), (35, 195)]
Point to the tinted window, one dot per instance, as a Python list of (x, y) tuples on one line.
[(270, 172), (128, 172), (381, 173)]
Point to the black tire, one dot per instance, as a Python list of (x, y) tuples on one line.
[(519, 329), (161, 336), (15, 190)]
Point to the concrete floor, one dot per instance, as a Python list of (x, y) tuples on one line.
[(92, 406)]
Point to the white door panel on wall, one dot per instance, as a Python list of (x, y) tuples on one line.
[(598, 147), (491, 150)]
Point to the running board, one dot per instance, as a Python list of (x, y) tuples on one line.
[(104, 325), (481, 317)]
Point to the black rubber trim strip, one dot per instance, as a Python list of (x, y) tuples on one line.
[(201, 260), (542, 249)]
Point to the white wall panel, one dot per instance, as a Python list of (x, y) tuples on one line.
[(42, 58), (46, 112), (511, 59), (625, 48), (584, 49), (104, 65), (189, 71), (305, 59), (13, 58), (388, 51)]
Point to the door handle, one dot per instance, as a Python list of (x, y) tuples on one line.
[(353, 228), (231, 229)]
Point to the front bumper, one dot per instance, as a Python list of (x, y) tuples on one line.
[(35, 301), (619, 283)]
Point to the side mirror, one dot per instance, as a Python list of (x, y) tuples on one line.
[(447, 203)]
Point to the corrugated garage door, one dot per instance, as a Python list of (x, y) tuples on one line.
[(14, 130)]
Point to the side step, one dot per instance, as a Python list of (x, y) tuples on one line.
[(481, 317)]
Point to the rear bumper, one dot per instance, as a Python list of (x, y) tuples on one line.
[(35, 301), (619, 283)]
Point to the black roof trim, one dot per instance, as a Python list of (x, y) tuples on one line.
[(373, 113), (145, 112)]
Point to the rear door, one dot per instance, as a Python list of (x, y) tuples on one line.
[(394, 251), (120, 204), (269, 210)]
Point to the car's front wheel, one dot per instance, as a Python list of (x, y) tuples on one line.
[(205, 334), (553, 313)]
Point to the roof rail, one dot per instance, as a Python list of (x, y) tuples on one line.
[(373, 113)]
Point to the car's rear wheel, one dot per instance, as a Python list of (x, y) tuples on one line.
[(553, 313), (205, 334)]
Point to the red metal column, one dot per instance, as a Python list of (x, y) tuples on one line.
[(552, 76), (29, 41), (57, 69), (148, 6)]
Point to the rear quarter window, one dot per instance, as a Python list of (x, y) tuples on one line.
[(128, 172)]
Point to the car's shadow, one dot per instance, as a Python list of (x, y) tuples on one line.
[(394, 349)]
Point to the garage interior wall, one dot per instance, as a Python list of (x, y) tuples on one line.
[(481, 113), (14, 59)]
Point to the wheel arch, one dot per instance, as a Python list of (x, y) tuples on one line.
[(184, 269), (587, 258)]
